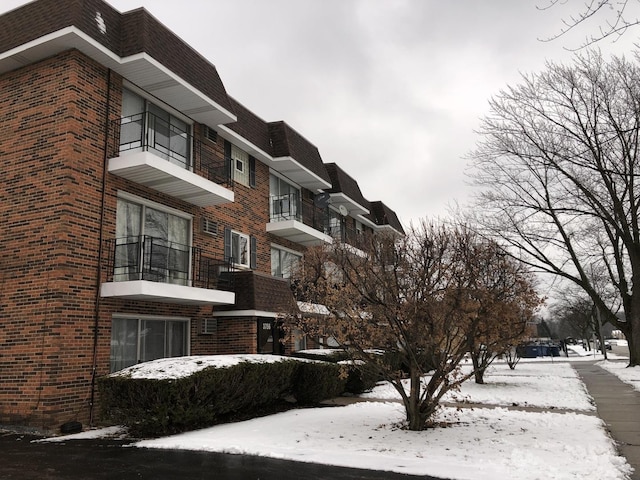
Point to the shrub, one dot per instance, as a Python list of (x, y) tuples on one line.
[(317, 381), (159, 407), (359, 378), (150, 407), (324, 355)]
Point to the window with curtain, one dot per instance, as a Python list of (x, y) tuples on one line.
[(283, 262), (151, 244), (147, 126), (135, 340), (240, 249), (336, 226)]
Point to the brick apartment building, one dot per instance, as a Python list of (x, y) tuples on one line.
[(144, 212)]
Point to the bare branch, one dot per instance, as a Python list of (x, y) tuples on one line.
[(611, 15)]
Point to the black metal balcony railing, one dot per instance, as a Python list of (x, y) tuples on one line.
[(159, 260), (344, 234), (148, 132), (290, 207), (286, 207)]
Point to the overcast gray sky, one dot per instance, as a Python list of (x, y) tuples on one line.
[(391, 90)]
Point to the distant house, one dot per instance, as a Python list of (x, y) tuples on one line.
[(144, 212)]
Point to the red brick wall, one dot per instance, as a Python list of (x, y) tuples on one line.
[(52, 156), (52, 215), (237, 335)]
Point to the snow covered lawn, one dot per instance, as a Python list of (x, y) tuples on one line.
[(529, 385), (477, 443), (627, 375)]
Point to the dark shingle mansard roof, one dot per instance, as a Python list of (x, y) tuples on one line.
[(341, 182), (286, 142), (250, 127), (277, 140), (125, 34), (384, 216)]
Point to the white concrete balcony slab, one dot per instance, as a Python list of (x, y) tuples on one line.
[(148, 169), (298, 232), (166, 292)]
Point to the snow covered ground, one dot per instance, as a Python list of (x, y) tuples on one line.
[(473, 443), (627, 375)]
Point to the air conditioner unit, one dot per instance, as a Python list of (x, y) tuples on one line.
[(209, 326), (209, 226), (209, 133)]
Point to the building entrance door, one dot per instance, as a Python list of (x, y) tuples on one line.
[(270, 334)]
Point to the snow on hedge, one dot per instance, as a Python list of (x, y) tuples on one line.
[(180, 367)]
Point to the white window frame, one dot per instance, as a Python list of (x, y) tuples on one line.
[(235, 241), (299, 340), (150, 98), (155, 205)]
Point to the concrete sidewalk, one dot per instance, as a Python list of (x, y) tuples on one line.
[(618, 405)]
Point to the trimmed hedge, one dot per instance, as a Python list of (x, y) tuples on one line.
[(317, 381), (361, 378), (213, 395), (327, 355)]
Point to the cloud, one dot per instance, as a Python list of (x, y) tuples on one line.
[(390, 90)]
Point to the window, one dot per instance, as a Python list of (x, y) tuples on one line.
[(151, 244), (241, 165), (240, 160), (336, 225), (299, 340), (285, 200), (283, 262), (240, 249), (135, 340), (146, 126)]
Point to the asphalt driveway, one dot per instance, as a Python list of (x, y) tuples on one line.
[(22, 458)]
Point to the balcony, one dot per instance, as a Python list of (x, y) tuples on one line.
[(149, 150), (343, 234), (296, 221), (158, 270), (349, 237)]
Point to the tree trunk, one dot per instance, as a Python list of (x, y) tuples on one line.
[(417, 413), (413, 406), (478, 370), (633, 339)]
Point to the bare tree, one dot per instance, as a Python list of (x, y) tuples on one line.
[(612, 18), (404, 296), (559, 163), (402, 305), (506, 300), (575, 315)]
